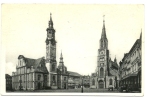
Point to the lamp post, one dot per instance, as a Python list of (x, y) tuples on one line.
[(82, 85)]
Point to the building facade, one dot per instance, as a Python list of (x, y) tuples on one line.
[(74, 80), (106, 73), (31, 74), (130, 66), (8, 79), (86, 81)]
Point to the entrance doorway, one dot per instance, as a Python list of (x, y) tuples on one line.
[(101, 84), (64, 85), (39, 85)]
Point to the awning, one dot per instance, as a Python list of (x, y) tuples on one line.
[(130, 75)]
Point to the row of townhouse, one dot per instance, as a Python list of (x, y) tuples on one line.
[(130, 66)]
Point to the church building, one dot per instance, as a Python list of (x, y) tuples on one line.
[(106, 73)]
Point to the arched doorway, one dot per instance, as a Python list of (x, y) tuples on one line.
[(101, 84)]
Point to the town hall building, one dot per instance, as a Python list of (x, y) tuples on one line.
[(43, 73)]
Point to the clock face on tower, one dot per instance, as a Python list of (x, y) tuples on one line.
[(102, 52)]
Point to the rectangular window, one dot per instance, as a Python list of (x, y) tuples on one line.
[(39, 77), (64, 78)]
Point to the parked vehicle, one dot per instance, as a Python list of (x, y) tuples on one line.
[(110, 87), (122, 88), (128, 88)]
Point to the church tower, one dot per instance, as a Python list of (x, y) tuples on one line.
[(51, 63), (103, 59)]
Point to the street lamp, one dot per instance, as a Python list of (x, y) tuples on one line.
[(82, 85)]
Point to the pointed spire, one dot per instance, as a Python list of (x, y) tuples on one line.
[(61, 58), (103, 40), (115, 60), (141, 35), (50, 22), (50, 17), (103, 21), (103, 36), (61, 54)]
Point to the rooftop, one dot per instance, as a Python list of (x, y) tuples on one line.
[(73, 73)]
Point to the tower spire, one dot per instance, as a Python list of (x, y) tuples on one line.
[(61, 57), (50, 22), (103, 36), (103, 40), (115, 60), (103, 21), (61, 54), (50, 17), (141, 35)]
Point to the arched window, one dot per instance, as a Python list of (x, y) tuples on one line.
[(110, 82), (101, 72), (93, 82)]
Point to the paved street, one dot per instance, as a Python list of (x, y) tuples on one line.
[(85, 90)]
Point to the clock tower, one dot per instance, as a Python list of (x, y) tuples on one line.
[(103, 58), (51, 63)]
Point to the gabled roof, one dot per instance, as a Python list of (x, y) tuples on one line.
[(38, 64), (93, 75), (114, 65), (73, 73), (113, 69), (7, 75), (137, 42)]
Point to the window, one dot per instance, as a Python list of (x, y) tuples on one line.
[(45, 78), (93, 82), (101, 72), (64, 78), (102, 64), (53, 78), (110, 82), (53, 68), (102, 59), (39, 77)]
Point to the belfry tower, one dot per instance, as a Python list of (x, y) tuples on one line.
[(51, 62)]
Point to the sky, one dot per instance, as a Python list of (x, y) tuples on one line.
[(78, 31)]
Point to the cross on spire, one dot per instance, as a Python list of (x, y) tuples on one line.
[(103, 18)]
